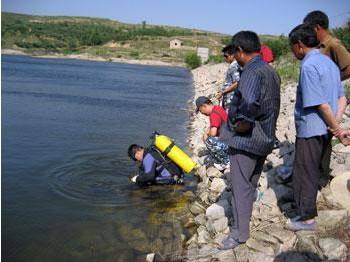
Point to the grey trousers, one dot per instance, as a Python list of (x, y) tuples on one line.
[(307, 170), (244, 176)]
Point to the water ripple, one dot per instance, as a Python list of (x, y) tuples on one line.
[(91, 177)]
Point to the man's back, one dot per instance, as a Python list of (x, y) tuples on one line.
[(335, 49), (257, 98), (319, 83)]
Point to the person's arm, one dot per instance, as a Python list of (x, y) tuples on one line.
[(148, 170), (213, 131), (328, 116), (342, 104), (230, 88), (345, 73)]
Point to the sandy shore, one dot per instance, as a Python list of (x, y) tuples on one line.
[(210, 212), (88, 57)]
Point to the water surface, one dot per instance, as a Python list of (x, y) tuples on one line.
[(66, 126)]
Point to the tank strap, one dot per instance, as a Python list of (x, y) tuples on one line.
[(168, 149)]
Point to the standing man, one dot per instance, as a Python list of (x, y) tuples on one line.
[(329, 45), (333, 48), (231, 77), (250, 130), (318, 93)]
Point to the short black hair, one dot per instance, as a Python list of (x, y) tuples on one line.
[(304, 33), (317, 18), (248, 41), (132, 150), (228, 49)]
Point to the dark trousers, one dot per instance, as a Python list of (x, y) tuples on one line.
[(326, 160), (244, 176), (307, 170)]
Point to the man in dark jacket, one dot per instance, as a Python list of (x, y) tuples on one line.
[(154, 168), (250, 130)]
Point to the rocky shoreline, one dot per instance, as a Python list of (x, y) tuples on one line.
[(209, 215), (89, 57)]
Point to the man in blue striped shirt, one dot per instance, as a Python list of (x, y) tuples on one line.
[(250, 130)]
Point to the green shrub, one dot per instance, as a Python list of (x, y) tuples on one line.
[(343, 34), (135, 54), (226, 40), (215, 59), (192, 60)]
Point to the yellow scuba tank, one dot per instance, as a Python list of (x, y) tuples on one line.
[(168, 148)]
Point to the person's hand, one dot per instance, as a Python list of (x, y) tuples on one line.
[(205, 137), (340, 133), (219, 95), (133, 179)]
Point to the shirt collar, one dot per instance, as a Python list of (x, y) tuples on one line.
[(233, 63), (312, 52), (251, 62)]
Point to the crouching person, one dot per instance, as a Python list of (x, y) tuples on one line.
[(218, 150), (154, 168)]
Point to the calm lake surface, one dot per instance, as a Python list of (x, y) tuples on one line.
[(66, 127)]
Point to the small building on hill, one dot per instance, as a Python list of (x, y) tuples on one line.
[(175, 43), (203, 53)]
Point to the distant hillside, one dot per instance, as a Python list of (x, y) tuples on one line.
[(102, 37)]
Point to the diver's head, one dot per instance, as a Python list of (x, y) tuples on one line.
[(135, 152)]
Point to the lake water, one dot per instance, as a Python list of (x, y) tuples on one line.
[(66, 127)]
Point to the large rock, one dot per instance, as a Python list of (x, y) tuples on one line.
[(204, 196), (192, 240), (213, 172), (264, 236), (307, 242), (333, 248), (203, 236), (218, 185), (217, 210), (150, 257), (260, 247), (213, 196), (196, 208), (286, 237), (330, 218), (200, 219), (259, 257), (242, 253), (218, 225), (201, 171), (340, 190), (219, 238), (225, 256), (269, 198)]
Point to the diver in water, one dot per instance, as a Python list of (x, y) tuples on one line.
[(154, 168)]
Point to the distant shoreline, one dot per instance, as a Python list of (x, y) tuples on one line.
[(93, 58)]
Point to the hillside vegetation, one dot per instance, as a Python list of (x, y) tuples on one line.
[(102, 37), (42, 35)]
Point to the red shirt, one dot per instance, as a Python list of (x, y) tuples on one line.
[(266, 54), (217, 117)]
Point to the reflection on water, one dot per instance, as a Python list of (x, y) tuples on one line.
[(66, 127)]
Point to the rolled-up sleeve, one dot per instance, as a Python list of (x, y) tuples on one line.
[(312, 92)]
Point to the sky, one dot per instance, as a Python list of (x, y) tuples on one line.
[(225, 16)]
